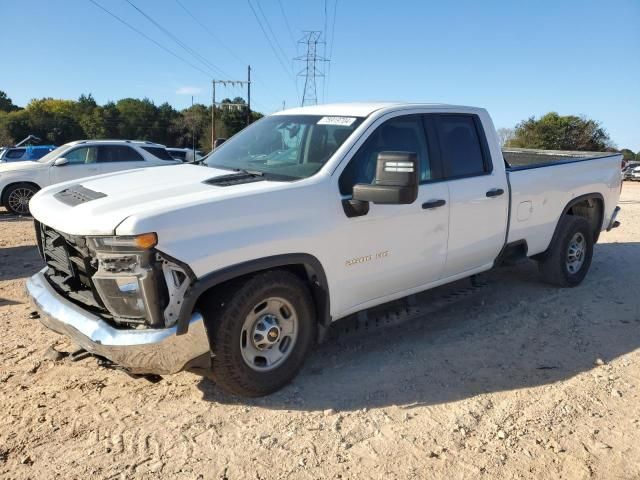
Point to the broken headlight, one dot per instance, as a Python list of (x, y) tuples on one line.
[(125, 279)]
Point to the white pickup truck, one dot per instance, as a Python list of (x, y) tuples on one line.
[(307, 216)]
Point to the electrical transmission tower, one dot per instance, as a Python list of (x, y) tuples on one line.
[(310, 71)]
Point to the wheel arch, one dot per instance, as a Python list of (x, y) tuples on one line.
[(590, 206), (303, 265), (19, 182)]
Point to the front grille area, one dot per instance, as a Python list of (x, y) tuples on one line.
[(70, 266)]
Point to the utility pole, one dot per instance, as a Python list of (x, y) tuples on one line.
[(214, 104), (310, 71), (213, 113), (248, 94), (193, 130)]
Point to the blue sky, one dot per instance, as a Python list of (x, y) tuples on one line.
[(515, 58)]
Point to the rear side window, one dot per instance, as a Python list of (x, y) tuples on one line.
[(15, 153), (119, 153), (461, 148), (158, 152)]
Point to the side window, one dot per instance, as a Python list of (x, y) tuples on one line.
[(405, 134), (461, 150), (82, 155), (159, 152), (15, 153), (118, 153)]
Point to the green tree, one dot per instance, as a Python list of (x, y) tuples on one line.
[(136, 119), (6, 105), (556, 132), (628, 155)]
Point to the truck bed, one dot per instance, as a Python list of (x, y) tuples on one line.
[(543, 181), (524, 158)]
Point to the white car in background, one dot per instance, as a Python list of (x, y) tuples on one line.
[(185, 154), (19, 181)]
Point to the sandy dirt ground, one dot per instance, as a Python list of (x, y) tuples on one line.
[(516, 380)]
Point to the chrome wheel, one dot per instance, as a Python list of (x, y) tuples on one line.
[(18, 200), (268, 334), (576, 253)]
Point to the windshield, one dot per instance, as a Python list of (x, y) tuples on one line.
[(287, 146), (53, 154)]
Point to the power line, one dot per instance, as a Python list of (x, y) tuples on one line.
[(159, 45), (179, 42), (286, 21), (271, 43), (275, 38), (333, 30), (213, 35)]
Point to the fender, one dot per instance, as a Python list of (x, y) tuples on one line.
[(313, 268), (572, 202)]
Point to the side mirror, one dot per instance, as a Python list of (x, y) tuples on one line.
[(60, 162), (218, 142), (396, 180)]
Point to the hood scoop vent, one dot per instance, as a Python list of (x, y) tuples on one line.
[(234, 179), (77, 194)]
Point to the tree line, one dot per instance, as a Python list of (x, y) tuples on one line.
[(60, 121), (557, 132)]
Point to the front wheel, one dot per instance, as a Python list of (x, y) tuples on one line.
[(570, 255), (261, 333), (17, 197)]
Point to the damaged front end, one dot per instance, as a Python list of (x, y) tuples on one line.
[(118, 298), (124, 279)]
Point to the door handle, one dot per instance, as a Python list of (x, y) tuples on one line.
[(433, 204), (495, 192)]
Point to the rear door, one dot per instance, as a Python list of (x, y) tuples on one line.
[(113, 158), (81, 162), (478, 193)]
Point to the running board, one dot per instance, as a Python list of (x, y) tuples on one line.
[(410, 308)]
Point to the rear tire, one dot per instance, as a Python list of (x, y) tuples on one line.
[(260, 333), (17, 197), (569, 257)]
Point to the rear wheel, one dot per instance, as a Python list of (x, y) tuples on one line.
[(261, 333), (17, 197), (570, 256)]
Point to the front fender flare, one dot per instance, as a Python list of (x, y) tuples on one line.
[(313, 268)]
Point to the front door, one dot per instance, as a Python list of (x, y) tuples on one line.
[(393, 248), (81, 162)]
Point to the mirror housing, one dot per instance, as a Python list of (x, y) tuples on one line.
[(396, 181), (218, 142), (60, 162)]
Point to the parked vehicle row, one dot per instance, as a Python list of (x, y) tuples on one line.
[(18, 154), (632, 171), (19, 181), (185, 154), (305, 217)]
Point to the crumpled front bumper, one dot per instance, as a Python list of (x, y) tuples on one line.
[(149, 351)]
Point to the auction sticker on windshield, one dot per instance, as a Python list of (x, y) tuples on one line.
[(343, 121)]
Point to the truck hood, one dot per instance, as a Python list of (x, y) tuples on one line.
[(21, 166), (140, 193)]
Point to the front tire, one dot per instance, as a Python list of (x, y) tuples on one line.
[(17, 197), (260, 332), (570, 255)]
